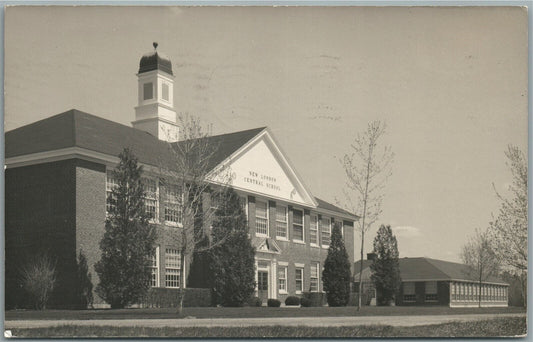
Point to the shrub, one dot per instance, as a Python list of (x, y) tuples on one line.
[(305, 302), (292, 300), (315, 298), (273, 303), (39, 279), (255, 301)]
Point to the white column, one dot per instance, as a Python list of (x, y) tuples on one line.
[(273, 291)]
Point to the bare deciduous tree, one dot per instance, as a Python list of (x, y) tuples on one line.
[(189, 176), (480, 258), (38, 278), (367, 169), (508, 231)]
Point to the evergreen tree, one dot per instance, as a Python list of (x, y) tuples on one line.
[(199, 271), (232, 257), (128, 242), (386, 266), (336, 275)]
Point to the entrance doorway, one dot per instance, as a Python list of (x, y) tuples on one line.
[(262, 285)]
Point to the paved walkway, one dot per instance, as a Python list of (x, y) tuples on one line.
[(267, 321)]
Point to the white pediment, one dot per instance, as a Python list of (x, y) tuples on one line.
[(260, 167)]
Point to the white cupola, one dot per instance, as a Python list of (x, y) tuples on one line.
[(155, 110)]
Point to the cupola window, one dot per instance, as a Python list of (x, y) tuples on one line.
[(165, 92), (148, 91)]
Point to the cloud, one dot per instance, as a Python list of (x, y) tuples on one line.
[(406, 231)]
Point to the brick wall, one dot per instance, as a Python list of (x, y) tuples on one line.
[(294, 252), (40, 219), (443, 294), (90, 214)]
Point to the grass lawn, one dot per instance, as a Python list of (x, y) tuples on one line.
[(489, 328), (219, 312)]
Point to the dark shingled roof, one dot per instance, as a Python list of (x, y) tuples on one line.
[(328, 206), (78, 129), (74, 128), (421, 269)]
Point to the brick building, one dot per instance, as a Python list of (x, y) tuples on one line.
[(428, 281), (58, 180)]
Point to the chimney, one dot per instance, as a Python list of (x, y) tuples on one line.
[(371, 256)]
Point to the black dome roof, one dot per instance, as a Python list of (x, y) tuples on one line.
[(155, 61)]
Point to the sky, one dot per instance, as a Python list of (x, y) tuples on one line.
[(450, 83)]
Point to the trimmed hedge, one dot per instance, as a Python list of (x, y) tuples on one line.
[(315, 298), (304, 302), (292, 300), (159, 297), (273, 303)]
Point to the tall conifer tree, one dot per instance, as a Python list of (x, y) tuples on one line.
[(386, 266), (336, 275), (128, 242), (233, 257)]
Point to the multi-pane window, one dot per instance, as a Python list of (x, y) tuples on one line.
[(409, 294), (299, 279), (282, 279), (315, 277), (325, 231), (164, 92), (431, 291), (172, 268), (261, 218), (453, 291), (298, 225), (150, 197), (110, 184), (173, 205), (281, 221), (313, 230), (154, 267)]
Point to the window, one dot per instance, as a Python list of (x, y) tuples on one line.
[(281, 221), (431, 291), (299, 279), (173, 205), (325, 231), (244, 206), (111, 183), (148, 91), (409, 292), (282, 279), (155, 268), (298, 225), (341, 227), (172, 268), (164, 92), (315, 276), (453, 291), (150, 197), (261, 218), (313, 231)]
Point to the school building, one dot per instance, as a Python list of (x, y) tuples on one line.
[(58, 181), (427, 282)]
